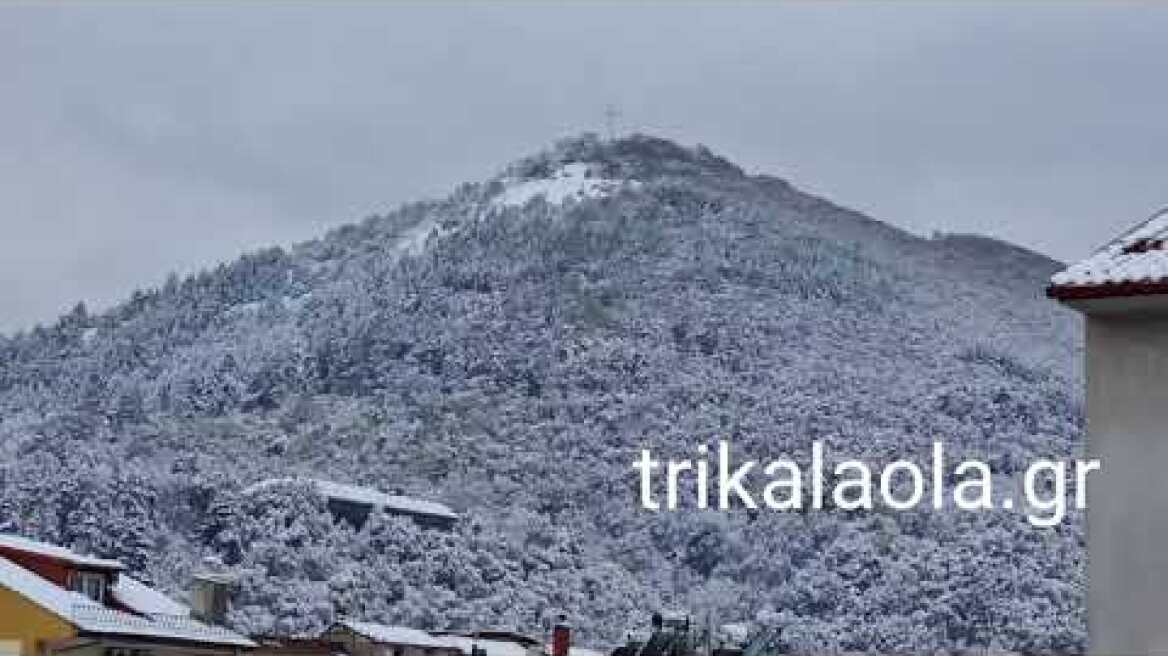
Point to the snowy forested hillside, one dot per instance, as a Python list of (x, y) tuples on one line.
[(508, 356)]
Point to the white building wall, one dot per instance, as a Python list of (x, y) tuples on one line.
[(1127, 516)]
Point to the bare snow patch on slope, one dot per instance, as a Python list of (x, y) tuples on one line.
[(413, 240), (571, 181)]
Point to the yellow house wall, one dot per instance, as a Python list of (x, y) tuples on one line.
[(32, 625)]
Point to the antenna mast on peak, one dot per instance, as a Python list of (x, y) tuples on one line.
[(611, 114)]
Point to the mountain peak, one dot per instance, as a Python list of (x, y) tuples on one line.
[(634, 157)]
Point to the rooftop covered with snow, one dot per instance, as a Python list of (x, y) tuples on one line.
[(1133, 264), (398, 635), (29, 546), (365, 496), (143, 599), (492, 646), (96, 620)]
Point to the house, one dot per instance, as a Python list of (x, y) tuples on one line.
[(368, 639), (55, 601), (1122, 291), (353, 638), (354, 504), (494, 643), (561, 642), (295, 646)]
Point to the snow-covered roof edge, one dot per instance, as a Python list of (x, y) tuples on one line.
[(141, 598), (492, 646), (40, 592), (397, 635), (30, 546), (101, 621), (1134, 263), (365, 495)]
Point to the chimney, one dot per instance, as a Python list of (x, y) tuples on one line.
[(561, 637), (211, 593)]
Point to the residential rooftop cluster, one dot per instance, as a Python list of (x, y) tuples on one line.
[(53, 600), (56, 601)]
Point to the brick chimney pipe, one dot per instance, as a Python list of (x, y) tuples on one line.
[(561, 638)]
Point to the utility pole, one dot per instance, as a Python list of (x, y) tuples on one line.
[(611, 114)]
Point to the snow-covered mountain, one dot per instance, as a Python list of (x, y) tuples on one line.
[(506, 350)]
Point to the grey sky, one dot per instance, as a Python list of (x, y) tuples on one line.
[(139, 140)]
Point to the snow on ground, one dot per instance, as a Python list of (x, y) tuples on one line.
[(572, 181), (295, 303), (413, 239), (243, 309)]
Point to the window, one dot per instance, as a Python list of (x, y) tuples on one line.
[(90, 584)]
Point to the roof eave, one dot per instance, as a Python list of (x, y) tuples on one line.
[(77, 562), (1107, 290), (1145, 298), (186, 641)]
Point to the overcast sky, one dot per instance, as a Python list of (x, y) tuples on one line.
[(139, 140)]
